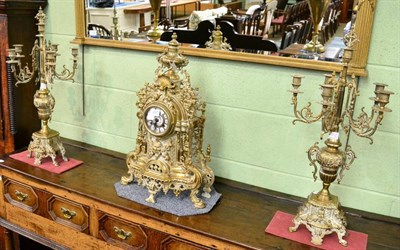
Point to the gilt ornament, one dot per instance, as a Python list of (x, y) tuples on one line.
[(169, 146)]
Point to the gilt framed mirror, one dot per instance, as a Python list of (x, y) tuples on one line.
[(363, 22)]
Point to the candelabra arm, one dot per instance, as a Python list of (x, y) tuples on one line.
[(349, 158), (67, 74), (312, 156), (22, 74), (305, 114), (362, 125)]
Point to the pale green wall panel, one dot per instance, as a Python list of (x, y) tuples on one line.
[(256, 138), (125, 70), (249, 86), (249, 116), (64, 12), (385, 41), (94, 137)]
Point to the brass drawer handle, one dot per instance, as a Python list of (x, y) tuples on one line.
[(21, 196), (122, 234), (68, 214)]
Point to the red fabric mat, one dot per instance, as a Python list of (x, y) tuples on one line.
[(280, 223), (47, 164)]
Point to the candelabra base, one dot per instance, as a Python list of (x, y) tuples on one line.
[(314, 47), (46, 145), (154, 34), (321, 217)]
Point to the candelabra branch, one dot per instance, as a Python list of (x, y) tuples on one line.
[(23, 74), (364, 125), (312, 157), (305, 114), (67, 74)]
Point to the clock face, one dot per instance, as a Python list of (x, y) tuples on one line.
[(157, 120)]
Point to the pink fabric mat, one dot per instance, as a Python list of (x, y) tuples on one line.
[(280, 223), (47, 164)]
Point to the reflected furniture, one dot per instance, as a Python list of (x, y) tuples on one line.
[(94, 217), (296, 50), (210, 14), (145, 9), (127, 21), (198, 36), (100, 31), (246, 43), (364, 20), (238, 42), (236, 21)]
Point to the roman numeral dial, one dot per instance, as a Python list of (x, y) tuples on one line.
[(157, 120)]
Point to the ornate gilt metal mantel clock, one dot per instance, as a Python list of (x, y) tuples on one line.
[(168, 153)]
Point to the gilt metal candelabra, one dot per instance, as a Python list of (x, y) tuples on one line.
[(155, 33), (321, 213), (317, 10), (116, 33), (45, 142)]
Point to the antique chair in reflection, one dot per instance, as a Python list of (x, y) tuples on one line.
[(252, 23), (307, 32), (246, 43), (100, 31), (198, 36), (281, 5), (287, 37), (292, 13), (268, 15), (282, 19)]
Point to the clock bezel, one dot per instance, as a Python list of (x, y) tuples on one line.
[(167, 111)]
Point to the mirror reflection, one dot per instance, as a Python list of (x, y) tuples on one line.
[(275, 27)]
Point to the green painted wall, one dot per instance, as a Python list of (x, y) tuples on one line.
[(249, 116)]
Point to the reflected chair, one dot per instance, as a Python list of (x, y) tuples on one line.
[(283, 18), (101, 31), (268, 15), (287, 38), (252, 23)]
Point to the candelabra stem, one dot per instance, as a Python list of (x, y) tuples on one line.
[(45, 142), (321, 214)]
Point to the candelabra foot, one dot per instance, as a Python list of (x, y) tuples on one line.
[(46, 145), (312, 47), (321, 218)]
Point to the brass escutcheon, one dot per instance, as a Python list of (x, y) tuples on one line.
[(68, 214), (21, 196), (122, 234)]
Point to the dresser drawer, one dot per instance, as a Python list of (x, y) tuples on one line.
[(21, 195), (174, 243), (122, 233), (69, 213)]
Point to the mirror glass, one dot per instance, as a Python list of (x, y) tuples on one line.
[(124, 24)]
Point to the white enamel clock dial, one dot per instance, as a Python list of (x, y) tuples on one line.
[(157, 120)]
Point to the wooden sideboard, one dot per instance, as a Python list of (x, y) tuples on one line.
[(79, 209)]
